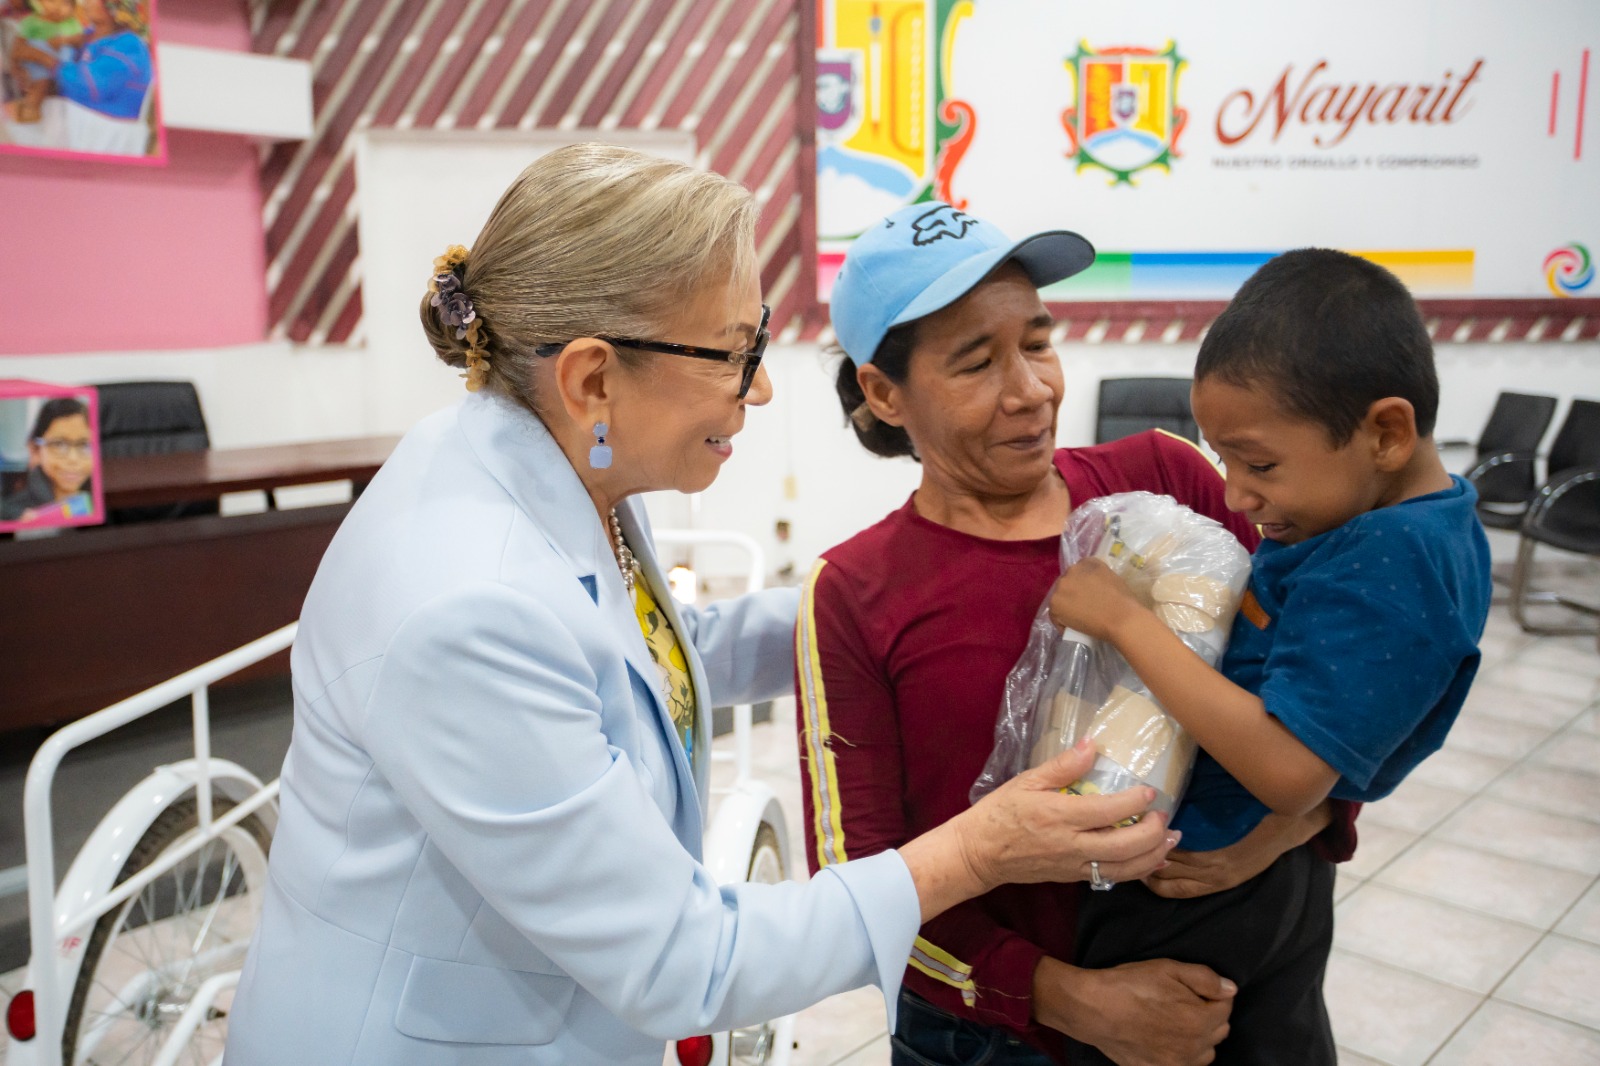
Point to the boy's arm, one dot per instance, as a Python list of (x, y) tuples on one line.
[(1226, 720)]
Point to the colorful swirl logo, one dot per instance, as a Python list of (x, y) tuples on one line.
[(1568, 270)]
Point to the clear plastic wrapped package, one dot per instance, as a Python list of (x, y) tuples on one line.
[(1189, 570)]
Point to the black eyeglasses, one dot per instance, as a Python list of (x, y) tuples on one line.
[(749, 361)]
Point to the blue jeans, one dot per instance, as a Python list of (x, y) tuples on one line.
[(924, 1035)]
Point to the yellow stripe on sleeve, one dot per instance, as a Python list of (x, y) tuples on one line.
[(1212, 463), (821, 768), (940, 965), (1209, 461), (827, 820)]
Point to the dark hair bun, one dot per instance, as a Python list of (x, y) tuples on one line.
[(879, 438)]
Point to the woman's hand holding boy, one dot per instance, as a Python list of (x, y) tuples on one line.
[(1154, 1013), (1028, 831)]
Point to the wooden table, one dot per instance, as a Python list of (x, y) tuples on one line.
[(94, 615), (153, 480)]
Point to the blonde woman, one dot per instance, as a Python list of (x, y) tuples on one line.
[(492, 804)]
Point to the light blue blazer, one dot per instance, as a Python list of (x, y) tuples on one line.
[(490, 836)]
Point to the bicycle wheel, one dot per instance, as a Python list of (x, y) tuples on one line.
[(770, 1043), (146, 959)]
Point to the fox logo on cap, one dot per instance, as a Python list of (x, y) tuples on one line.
[(942, 221)]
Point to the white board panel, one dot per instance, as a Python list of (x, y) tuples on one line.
[(1455, 142)]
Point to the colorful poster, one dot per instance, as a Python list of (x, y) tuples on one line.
[(1458, 147), (49, 456), (79, 80)]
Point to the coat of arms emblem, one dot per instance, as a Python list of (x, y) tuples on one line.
[(1125, 115)]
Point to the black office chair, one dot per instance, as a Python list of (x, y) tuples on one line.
[(1133, 405), (1505, 473), (1564, 513), (153, 418)]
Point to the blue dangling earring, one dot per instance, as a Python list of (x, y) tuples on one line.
[(600, 453)]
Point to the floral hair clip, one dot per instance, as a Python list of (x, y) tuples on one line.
[(453, 257), (455, 309)]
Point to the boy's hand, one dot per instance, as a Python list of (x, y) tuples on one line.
[(1092, 599), (1199, 873)]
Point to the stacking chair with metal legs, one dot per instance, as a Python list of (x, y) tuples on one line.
[(1505, 473), (1564, 513)]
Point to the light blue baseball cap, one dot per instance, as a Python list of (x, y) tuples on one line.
[(927, 256)]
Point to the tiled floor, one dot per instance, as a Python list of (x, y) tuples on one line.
[(1469, 921)]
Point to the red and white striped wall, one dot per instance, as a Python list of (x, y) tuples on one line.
[(729, 70), (1449, 321)]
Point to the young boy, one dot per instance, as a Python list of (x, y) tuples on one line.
[(1352, 651)]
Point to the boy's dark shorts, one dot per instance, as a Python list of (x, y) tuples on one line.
[(1270, 936)]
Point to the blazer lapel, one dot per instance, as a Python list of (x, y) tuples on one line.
[(517, 449), (519, 452), (693, 781)]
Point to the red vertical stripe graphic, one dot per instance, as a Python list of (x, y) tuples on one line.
[(1583, 96), (1555, 95), (805, 129)]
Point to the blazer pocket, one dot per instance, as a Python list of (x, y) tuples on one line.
[(461, 1003)]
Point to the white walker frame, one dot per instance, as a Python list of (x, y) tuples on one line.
[(62, 918)]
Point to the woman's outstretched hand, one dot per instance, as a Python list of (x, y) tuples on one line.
[(1027, 830)]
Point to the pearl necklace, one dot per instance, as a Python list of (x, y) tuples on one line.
[(624, 556)]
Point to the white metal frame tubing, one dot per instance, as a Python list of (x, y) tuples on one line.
[(755, 578), (44, 928)]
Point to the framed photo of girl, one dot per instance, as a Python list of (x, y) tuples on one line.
[(78, 80), (50, 472)]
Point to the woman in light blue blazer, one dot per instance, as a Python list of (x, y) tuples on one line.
[(489, 843)]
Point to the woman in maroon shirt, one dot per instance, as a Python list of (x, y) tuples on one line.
[(907, 632)]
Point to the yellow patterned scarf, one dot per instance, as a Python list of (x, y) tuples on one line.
[(669, 659)]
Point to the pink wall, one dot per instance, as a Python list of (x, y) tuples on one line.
[(106, 257)]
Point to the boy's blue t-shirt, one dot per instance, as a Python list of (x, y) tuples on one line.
[(1363, 641)]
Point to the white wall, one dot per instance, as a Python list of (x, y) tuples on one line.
[(419, 191), (796, 460)]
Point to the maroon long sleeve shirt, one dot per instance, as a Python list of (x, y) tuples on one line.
[(906, 634)]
